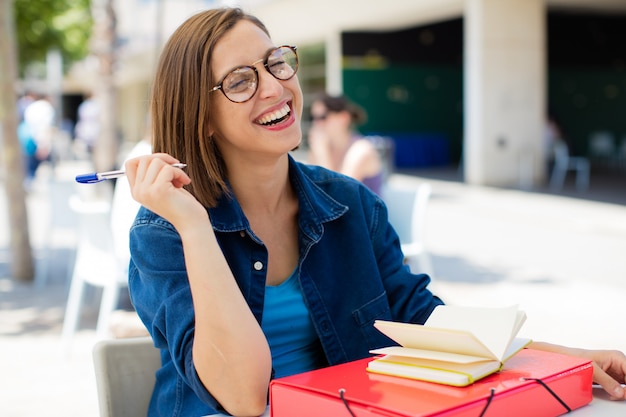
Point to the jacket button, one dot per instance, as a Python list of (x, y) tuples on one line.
[(258, 265)]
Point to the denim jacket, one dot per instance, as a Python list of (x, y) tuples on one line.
[(351, 272)]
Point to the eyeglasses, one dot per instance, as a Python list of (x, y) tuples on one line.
[(241, 84)]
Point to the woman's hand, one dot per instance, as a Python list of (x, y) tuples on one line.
[(609, 371), (158, 186), (609, 366)]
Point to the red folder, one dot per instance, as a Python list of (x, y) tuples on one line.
[(340, 390)]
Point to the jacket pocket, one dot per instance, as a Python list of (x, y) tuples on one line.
[(376, 309)]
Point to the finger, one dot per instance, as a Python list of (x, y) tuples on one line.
[(610, 385), (177, 176), (167, 158), (130, 167), (149, 169), (136, 167)]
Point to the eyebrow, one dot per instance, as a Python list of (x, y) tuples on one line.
[(265, 55)]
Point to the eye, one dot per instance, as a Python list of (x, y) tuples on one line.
[(282, 63), (278, 67), (239, 80)]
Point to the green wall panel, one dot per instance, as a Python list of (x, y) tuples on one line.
[(410, 100), (588, 100)]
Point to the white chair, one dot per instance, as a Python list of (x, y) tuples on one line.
[(602, 146), (103, 253), (95, 264), (125, 375), (563, 163), (407, 214)]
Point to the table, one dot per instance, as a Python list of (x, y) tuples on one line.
[(601, 406)]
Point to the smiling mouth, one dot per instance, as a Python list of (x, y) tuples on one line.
[(275, 117)]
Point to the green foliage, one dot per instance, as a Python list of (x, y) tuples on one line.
[(42, 25)]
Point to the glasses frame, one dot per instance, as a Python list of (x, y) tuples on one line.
[(252, 66)]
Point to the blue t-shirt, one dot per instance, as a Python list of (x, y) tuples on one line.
[(289, 330)]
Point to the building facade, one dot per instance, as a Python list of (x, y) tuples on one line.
[(454, 82)]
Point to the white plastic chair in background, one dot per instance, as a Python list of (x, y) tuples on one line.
[(103, 253), (125, 375), (407, 214), (95, 264), (602, 147), (563, 163)]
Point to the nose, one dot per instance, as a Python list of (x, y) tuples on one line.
[(269, 86)]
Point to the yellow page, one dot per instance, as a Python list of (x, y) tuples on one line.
[(435, 371)]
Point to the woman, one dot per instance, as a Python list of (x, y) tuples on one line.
[(247, 265), (335, 144)]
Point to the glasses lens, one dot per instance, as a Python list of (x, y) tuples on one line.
[(282, 62), (241, 84)]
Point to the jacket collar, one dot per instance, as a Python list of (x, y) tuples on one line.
[(315, 205)]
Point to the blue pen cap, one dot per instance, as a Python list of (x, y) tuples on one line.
[(88, 178)]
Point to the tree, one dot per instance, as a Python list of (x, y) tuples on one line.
[(35, 26), (103, 47), (22, 265), (43, 25), (66, 25)]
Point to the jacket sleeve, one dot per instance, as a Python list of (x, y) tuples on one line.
[(408, 294), (160, 293)]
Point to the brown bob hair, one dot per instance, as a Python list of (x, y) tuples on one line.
[(341, 103), (181, 104)]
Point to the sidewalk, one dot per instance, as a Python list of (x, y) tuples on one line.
[(561, 259)]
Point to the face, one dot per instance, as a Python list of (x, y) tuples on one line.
[(269, 122), (329, 121), (319, 112)]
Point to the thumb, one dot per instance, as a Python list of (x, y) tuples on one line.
[(610, 385)]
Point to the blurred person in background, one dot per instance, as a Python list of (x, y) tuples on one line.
[(335, 144), (36, 132), (23, 102), (88, 124)]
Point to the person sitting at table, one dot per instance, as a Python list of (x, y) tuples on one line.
[(247, 265), (335, 144)]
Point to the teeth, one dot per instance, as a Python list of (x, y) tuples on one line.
[(276, 115)]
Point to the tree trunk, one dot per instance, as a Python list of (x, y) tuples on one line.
[(103, 47), (22, 263)]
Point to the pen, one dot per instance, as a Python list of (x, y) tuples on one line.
[(94, 177)]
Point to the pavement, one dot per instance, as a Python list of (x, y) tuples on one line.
[(560, 257)]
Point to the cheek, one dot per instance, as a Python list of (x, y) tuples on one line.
[(332, 123), (294, 86), (223, 117)]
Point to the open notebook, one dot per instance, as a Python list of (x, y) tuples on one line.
[(456, 346)]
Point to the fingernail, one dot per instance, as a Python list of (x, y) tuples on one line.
[(618, 391)]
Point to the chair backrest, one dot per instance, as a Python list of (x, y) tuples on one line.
[(95, 262), (125, 375), (601, 144), (407, 211), (124, 208), (561, 154)]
